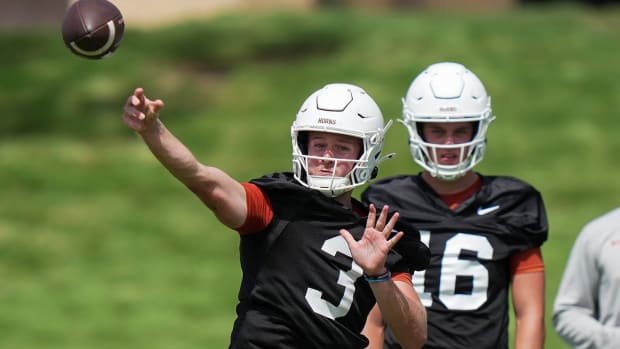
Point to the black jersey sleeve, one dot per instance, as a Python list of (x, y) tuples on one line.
[(521, 209)]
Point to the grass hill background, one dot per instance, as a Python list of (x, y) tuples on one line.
[(101, 248)]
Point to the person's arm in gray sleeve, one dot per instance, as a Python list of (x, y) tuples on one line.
[(575, 311)]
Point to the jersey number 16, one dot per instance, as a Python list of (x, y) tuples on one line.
[(452, 266)]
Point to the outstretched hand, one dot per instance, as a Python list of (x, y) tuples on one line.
[(140, 112), (371, 251)]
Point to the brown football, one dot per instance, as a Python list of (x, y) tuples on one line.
[(92, 28)]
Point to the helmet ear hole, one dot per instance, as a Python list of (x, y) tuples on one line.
[(375, 172), (362, 176)]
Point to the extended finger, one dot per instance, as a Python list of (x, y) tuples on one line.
[(372, 215), (382, 218), (157, 105), (347, 237), (392, 241), (390, 225)]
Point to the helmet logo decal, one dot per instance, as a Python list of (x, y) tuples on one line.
[(447, 109), (327, 121)]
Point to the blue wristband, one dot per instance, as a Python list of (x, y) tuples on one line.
[(379, 278)]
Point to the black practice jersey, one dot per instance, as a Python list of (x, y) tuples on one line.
[(465, 287), (300, 287)]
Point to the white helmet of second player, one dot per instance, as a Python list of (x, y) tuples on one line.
[(447, 92), (343, 109)]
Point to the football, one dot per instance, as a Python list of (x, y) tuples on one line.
[(92, 28)]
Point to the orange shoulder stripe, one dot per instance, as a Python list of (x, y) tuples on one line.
[(260, 212), (527, 261)]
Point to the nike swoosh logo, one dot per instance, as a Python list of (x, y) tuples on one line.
[(482, 211)]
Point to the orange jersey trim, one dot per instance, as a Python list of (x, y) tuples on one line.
[(528, 261), (403, 277), (454, 200), (260, 212)]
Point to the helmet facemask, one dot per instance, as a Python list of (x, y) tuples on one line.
[(364, 169)]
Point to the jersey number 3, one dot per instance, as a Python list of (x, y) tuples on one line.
[(345, 278), (452, 267)]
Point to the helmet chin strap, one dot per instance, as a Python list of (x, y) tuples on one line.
[(446, 177), (330, 186)]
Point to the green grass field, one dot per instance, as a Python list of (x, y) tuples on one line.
[(101, 248)]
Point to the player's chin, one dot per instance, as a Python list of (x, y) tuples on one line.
[(449, 160)]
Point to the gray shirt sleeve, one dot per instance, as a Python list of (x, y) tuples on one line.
[(586, 312)]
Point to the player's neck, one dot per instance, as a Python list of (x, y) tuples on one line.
[(458, 185), (345, 199)]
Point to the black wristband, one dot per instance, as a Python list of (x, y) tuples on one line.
[(379, 278)]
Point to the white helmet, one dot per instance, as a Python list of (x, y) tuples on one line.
[(447, 92), (343, 109)]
